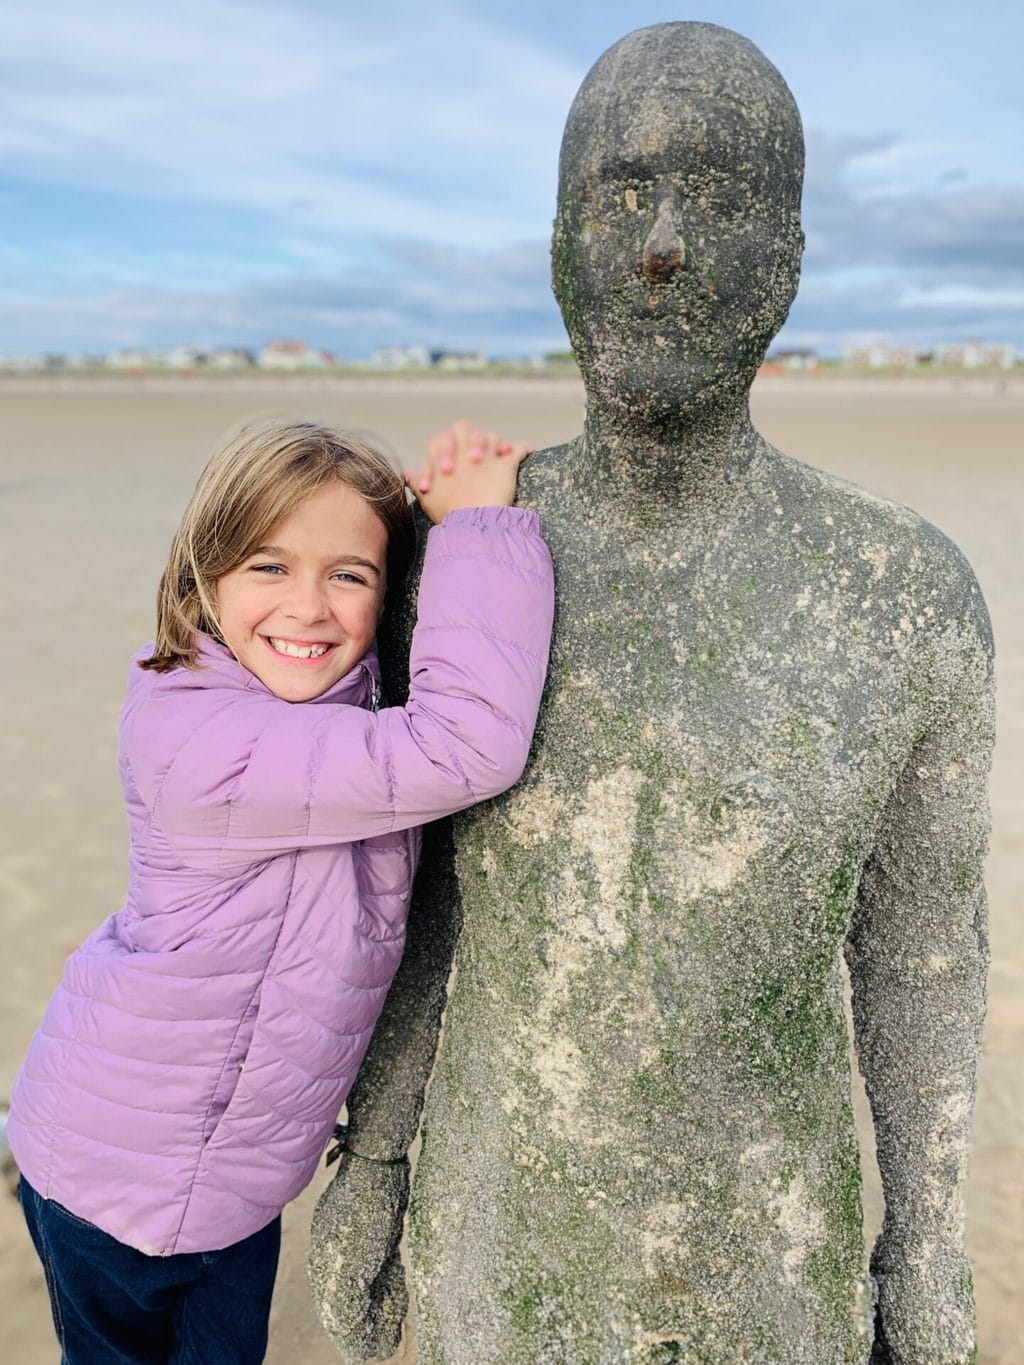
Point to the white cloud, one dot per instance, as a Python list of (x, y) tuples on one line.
[(962, 296), (968, 231), (280, 142), (438, 122), (422, 293)]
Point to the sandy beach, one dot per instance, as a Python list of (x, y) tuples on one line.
[(94, 474)]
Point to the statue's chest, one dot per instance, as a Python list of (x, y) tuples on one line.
[(715, 674)]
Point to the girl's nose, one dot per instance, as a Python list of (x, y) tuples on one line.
[(664, 251), (307, 603)]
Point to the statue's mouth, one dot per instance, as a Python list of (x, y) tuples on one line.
[(680, 313), (678, 303)]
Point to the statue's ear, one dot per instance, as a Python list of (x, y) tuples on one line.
[(556, 258)]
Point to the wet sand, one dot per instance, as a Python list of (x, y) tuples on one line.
[(94, 475)]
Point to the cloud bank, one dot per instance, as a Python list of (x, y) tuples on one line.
[(224, 172)]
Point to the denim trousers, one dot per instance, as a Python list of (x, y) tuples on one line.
[(113, 1305)]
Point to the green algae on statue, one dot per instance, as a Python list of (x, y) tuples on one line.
[(767, 734)]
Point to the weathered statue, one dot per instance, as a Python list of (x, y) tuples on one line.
[(766, 734)]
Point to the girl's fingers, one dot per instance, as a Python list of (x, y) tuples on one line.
[(461, 441), (420, 480), (463, 437), (441, 449), (484, 443), (417, 479), (517, 449)]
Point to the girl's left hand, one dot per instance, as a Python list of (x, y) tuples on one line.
[(466, 467)]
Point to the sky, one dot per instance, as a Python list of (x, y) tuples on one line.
[(224, 172)]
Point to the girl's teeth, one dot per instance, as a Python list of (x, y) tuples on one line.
[(298, 651)]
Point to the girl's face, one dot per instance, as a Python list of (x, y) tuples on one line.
[(303, 610)]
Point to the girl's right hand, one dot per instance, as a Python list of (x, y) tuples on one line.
[(466, 467)]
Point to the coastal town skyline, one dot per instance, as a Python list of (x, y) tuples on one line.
[(295, 355)]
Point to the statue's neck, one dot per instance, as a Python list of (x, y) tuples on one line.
[(697, 461)]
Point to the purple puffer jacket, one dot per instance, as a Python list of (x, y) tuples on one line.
[(191, 1064)]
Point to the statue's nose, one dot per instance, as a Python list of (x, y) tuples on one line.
[(664, 250)]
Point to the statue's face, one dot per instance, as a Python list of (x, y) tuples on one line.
[(677, 246)]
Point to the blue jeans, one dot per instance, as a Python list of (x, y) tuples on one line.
[(113, 1305)]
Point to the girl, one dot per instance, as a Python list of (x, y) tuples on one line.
[(191, 1064)]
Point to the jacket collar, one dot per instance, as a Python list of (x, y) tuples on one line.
[(218, 667)]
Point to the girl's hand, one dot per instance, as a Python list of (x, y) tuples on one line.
[(466, 468)]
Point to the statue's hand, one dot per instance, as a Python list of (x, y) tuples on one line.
[(357, 1277), (925, 1313)]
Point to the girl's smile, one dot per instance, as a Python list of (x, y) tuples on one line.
[(302, 610), (299, 651)]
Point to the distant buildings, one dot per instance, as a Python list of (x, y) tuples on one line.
[(977, 355), (293, 355), (230, 358), (420, 358), (131, 360), (879, 355), (25, 364), (400, 358), (882, 354), (458, 360), (795, 358)]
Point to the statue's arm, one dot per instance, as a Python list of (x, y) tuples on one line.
[(355, 1268), (918, 954)]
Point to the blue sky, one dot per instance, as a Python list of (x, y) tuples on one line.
[(227, 171)]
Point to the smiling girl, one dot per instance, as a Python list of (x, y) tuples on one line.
[(190, 1067)]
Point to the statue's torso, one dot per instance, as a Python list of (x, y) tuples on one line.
[(639, 1139)]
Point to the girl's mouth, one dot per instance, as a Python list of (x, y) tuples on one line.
[(307, 652)]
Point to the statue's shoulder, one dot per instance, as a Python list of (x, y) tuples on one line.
[(909, 557), (542, 477)]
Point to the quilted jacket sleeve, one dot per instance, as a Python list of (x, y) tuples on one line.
[(257, 777)]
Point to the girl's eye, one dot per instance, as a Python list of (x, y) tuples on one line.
[(347, 577), (271, 569)]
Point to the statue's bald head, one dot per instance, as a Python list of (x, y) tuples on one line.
[(656, 77), (677, 241)]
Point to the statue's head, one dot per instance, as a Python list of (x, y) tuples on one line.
[(677, 242)]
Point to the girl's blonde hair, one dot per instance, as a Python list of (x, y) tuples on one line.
[(261, 472)]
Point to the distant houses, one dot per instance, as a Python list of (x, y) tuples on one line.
[(400, 358), (420, 358), (182, 359), (297, 356), (978, 355), (293, 355), (459, 360), (881, 354), (794, 358), (226, 358)]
